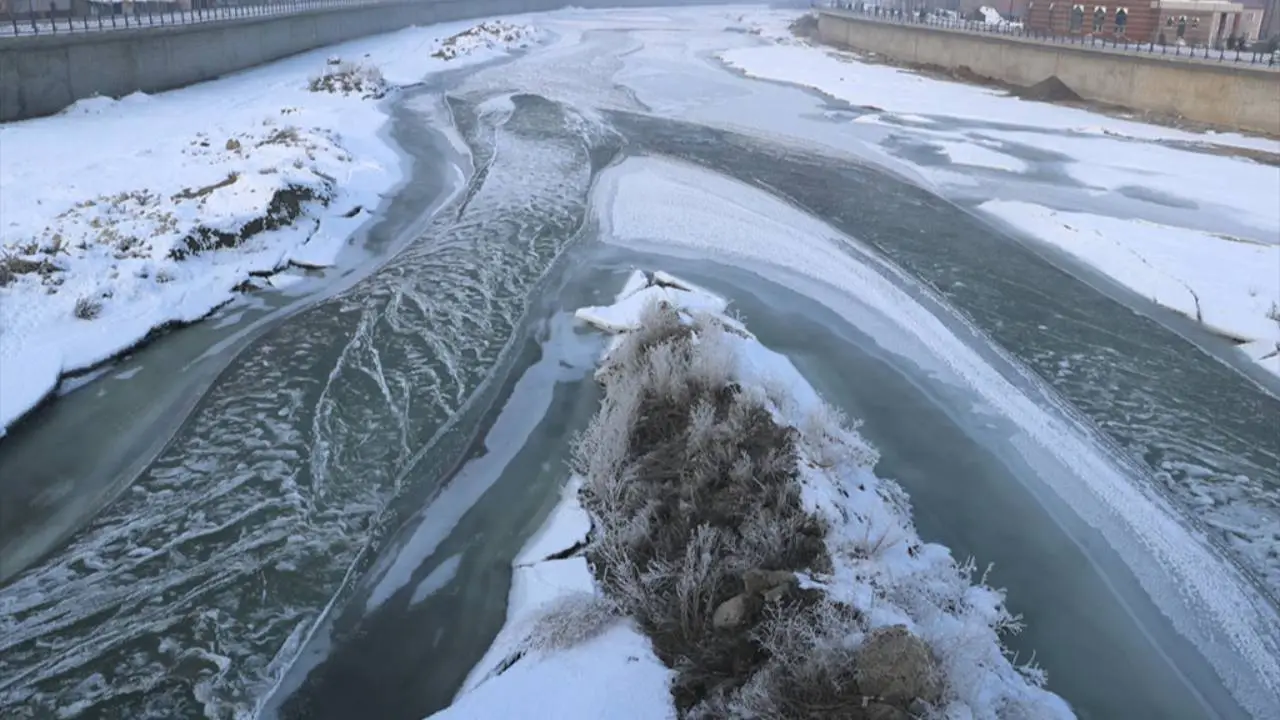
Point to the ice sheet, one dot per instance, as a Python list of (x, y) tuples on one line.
[(1230, 285)]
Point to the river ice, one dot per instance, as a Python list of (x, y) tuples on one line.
[(272, 511), (109, 189)]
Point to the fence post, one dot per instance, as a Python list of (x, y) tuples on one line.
[(53, 21)]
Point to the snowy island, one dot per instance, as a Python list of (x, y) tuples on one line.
[(723, 549)]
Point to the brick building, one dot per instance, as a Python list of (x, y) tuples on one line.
[(1190, 22), (1250, 23)]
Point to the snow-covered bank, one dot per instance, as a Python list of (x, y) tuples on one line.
[(1231, 286), (124, 216), (1190, 262), (565, 652), (892, 90)]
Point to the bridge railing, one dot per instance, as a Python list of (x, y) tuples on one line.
[(40, 17), (1096, 41)]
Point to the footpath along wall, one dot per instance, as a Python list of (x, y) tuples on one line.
[(1229, 96), (40, 75)]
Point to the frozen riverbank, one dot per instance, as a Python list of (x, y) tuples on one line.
[(124, 217), (869, 583), (1179, 245)]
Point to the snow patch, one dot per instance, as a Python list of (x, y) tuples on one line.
[(977, 155), (1231, 286), (624, 315)]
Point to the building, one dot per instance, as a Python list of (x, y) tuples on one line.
[(1198, 22), (1250, 24), (1186, 22), (1270, 20)]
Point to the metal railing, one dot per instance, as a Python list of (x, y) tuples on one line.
[(1095, 41), (103, 16)]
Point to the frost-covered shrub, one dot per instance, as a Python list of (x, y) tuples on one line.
[(690, 483), (697, 480), (88, 308), (569, 621), (346, 78)]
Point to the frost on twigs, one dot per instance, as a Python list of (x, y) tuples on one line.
[(493, 34), (570, 621), (348, 78), (736, 520)]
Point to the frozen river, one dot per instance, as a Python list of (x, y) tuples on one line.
[(329, 530)]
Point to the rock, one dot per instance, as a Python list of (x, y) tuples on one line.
[(756, 582), (233, 144), (731, 614), (775, 594), (898, 667)]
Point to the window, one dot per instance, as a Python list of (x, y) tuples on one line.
[(1077, 18), (1122, 19), (1099, 18)]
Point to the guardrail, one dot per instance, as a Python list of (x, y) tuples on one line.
[(114, 16), (1270, 60)]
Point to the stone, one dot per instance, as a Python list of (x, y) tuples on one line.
[(776, 594), (233, 144), (898, 667), (756, 582), (731, 614)]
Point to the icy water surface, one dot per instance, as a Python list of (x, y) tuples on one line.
[(336, 517), (191, 593)]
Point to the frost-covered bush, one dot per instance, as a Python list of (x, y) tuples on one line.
[(690, 483), (697, 480), (570, 620), (347, 78)]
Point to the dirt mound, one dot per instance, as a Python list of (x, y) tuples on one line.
[(1051, 89), (805, 26)]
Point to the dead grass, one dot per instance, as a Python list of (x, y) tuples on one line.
[(88, 308), (189, 194), (452, 46), (691, 484), (284, 208), (11, 266), (345, 78)]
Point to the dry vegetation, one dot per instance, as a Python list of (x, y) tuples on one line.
[(134, 233), (700, 536), (348, 78), (486, 34)]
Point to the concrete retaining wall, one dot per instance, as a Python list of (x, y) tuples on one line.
[(43, 74), (1224, 95)]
